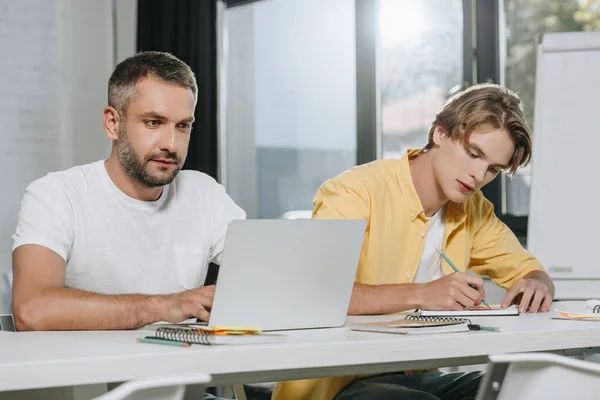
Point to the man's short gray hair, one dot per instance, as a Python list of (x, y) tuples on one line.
[(158, 65)]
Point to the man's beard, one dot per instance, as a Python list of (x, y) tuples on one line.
[(137, 169)]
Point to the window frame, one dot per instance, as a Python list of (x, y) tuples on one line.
[(489, 59)]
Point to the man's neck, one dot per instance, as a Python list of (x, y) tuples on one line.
[(126, 184), (429, 192)]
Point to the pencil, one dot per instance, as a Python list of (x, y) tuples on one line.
[(489, 328), (484, 328), (450, 263), (155, 340)]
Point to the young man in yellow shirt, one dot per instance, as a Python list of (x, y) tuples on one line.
[(431, 197)]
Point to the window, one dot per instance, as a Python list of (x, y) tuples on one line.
[(420, 66), (290, 102), (525, 20)]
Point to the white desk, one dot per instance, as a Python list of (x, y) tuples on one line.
[(48, 359)]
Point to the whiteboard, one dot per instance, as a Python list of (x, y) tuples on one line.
[(564, 221)]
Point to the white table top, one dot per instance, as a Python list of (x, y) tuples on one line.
[(48, 359)]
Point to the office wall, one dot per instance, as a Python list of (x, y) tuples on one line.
[(56, 58)]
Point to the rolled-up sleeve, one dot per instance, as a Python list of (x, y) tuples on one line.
[(497, 253)]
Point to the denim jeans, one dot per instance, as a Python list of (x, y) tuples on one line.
[(430, 385)]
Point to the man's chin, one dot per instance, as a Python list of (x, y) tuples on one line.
[(459, 197), (156, 180)]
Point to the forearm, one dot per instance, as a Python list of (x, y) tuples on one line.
[(72, 309), (543, 277), (384, 299)]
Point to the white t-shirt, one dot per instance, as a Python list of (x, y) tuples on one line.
[(430, 267), (114, 244)]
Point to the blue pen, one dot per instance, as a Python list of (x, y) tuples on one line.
[(450, 263)]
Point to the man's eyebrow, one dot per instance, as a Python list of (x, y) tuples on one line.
[(154, 115), (188, 120), (482, 154)]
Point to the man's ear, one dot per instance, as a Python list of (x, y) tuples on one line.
[(111, 121), (439, 134)]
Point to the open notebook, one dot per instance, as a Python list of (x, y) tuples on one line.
[(414, 326), (481, 310)]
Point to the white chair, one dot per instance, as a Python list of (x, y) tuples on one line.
[(159, 388), (535, 376), (297, 214)]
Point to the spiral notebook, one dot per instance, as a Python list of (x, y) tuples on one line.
[(481, 311), (414, 325), (209, 336)]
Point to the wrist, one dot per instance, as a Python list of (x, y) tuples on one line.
[(416, 298), (157, 307)]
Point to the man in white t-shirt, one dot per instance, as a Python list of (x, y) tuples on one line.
[(124, 242)]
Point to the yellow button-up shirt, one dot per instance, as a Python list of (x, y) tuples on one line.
[(382, 193)]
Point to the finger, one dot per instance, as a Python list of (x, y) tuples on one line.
[(547, 303), (464, 300), (206, 301), (475, 281), (481, 296), (209, 295), (202, 314), (538, 297), (206, 289), (456, 306), (511, 294), (199, 300), (526, 299), (473, 294)]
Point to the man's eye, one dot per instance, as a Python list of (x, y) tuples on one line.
[(152, 122)]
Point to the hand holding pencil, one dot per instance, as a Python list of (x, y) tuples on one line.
[(453, 292), (451, 264)]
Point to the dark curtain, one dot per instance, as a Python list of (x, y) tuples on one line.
[(233, 3), (187, 29)]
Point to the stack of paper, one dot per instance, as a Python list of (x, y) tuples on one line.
[(576, 316)]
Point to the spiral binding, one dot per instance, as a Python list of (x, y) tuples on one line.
[(439, 319), (596, 309), (182, 335)]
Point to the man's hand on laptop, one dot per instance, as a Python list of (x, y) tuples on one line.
[(195, 303)]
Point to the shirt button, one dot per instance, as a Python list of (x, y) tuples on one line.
[(422, 234), (412, 215), (407, 276)]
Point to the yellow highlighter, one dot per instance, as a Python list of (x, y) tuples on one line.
[(235, 330)]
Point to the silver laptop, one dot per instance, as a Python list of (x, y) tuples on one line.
[(287, 274)]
